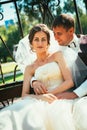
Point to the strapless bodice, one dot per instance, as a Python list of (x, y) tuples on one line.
[(50, 75)]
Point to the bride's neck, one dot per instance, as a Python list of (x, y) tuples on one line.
[(42, 57)]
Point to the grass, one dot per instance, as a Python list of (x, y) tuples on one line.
[(11, 79), (7, 69)]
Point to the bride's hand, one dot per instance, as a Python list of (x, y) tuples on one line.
[(48, 97)]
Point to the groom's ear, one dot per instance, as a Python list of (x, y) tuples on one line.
[(71, 30)]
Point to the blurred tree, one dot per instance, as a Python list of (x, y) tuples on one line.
[(85, 1), (42, 10), (70, 8), (10, 37), (83, 20), (84, 23)]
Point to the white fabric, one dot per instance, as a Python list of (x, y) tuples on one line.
[(50, 75), (32, 79), (24, 55), (69, 55), (80, 114), (33, 114)]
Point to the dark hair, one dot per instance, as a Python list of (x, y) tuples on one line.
[(64, 20), (37, 28)]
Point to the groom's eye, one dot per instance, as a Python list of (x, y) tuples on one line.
[(59, 33)]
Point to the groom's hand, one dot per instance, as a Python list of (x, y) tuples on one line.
[(67, 95), (39, 87)]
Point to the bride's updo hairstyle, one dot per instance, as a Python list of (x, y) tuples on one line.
[(38, 28)]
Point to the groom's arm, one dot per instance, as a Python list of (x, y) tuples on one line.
[(78, 92)]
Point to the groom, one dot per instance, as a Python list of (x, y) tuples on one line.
[(63, 28)]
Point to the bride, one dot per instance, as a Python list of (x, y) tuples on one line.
[(45, 111)]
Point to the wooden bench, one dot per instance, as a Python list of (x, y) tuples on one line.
[(10, 91)]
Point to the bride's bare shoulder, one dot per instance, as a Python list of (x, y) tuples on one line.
[(57, 54), (31, 68)]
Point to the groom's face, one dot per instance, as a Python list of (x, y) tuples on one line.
[(62, 35)]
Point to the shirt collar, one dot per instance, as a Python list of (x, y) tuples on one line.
[(75, 40)]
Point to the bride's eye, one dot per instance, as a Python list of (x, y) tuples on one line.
[(44, 39), (36, 39)]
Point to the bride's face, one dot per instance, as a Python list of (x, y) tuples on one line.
[(40, 42)]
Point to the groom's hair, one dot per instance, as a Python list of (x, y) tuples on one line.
[(64, 20)]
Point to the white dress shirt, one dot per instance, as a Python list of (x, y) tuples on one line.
[(74, 44), (82, 89)]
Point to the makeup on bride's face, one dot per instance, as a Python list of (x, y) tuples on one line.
[(40, 41)]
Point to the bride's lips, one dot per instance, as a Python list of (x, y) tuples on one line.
[(40, 47)]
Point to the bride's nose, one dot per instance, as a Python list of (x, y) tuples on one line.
[(40, 42)]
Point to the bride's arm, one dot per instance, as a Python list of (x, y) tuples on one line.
[(66, 73), (26, 81)]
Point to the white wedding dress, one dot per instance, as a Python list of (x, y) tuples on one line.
[(33, 114)]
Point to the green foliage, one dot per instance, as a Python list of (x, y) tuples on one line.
[(8, 37), (43, 11), (68, 7), (84, 23), (26, 23)]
